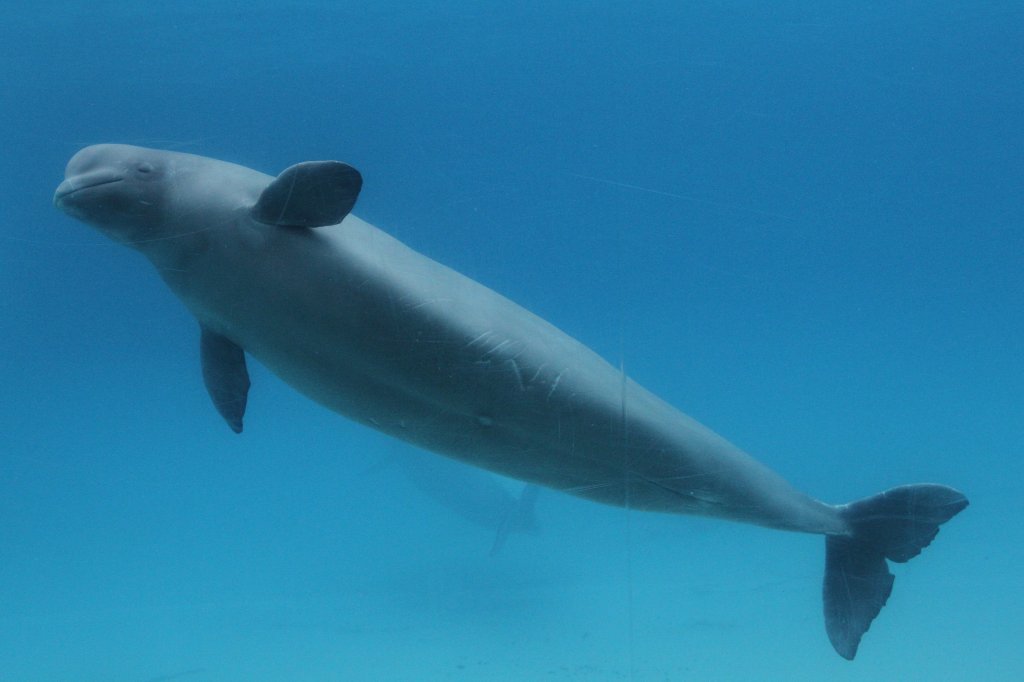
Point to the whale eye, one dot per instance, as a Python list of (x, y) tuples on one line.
[(144, 168)]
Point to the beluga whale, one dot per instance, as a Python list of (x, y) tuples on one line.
[(472, 494), (279, 269)]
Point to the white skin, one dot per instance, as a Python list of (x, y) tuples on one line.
[(369, 328)]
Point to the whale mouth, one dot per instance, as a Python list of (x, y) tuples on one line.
[(69, 187)]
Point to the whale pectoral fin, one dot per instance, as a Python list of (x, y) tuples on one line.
[(310, 194), (225, 376)]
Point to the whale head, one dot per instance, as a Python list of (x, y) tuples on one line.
[(170, 204), (120, 189)]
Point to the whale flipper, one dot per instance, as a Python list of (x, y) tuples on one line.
[(310, 194), (896, 525), (225, 376)]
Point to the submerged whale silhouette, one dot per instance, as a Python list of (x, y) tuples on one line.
[(472, 494), (280, 269)]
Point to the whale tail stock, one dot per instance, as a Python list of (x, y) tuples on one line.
[(895, 525)]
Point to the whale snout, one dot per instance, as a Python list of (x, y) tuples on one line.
[(116, 189), (84, 181), (91, 167), (112, 186)]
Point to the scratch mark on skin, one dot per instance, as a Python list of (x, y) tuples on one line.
[(422, 304), (537, 373), (554, 385), (517, 372), (593, 486), (478, 339), (170, 237), (497, 348)]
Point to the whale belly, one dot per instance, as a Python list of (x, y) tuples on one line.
[(383, 335)]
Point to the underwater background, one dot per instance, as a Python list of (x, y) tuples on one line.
[(801, 223)]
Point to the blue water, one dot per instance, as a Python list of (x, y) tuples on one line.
[(802, 223)]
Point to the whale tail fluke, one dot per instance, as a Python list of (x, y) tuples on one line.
[(895, 525)]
